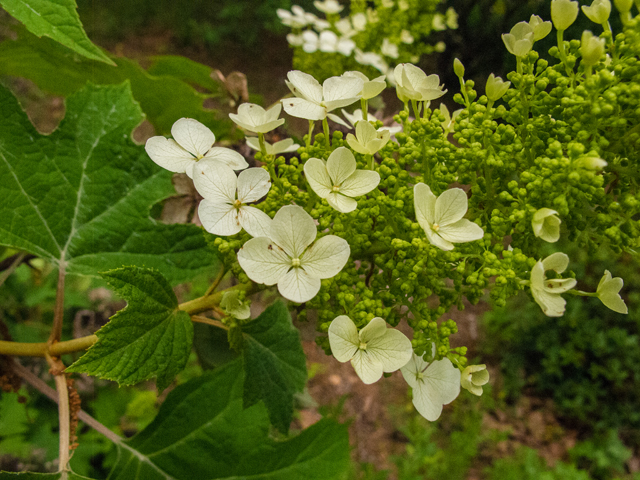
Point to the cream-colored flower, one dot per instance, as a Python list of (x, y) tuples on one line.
[(519, 40), (413, 84), (191, 142), (389, 49), (256, 119), (449, 119), (591, 48), (609, 293), (231, 305), (372, 351), (540, 28), (546, 292), (338, 180), (546, 225), (371, 88), (441, 217), (434, 385), (283, 146), (328, 7), (598, 12), (496, 88), (367, 139), (473, 378), (356, 116), (563, 13)]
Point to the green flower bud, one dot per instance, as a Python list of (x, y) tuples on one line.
[(623, 6), (563, 13), (591, 48), (496, 88), (598, 12), (458, 68)]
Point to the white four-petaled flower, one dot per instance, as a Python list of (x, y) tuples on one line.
[(413, 84), (313, 101), (546, 225), (338, 180), (220, 212), (191, 142), (441, 217), (289, 256), (546, 292), (367, 139), (256, 119), (473, 377), (371, 88), (609, 293), (434, 384), (372, 351)]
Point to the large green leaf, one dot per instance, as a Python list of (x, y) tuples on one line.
[(149, 338), (181, 67), (203, 432), (274, 363), (81, 196), (57, 19), (164, 98)]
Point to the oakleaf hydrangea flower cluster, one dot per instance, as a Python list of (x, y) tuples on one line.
[(372, 230)]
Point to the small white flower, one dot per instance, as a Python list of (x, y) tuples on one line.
[(598, 12), (473, 378), (389, 49), (359, 21), (220, 212), (592, 48), (449, 119), (256, 119), (406, 37), (441, 217), (496, 88), (367, 139), (345, 28), (413, 84), (609, 293), (371, 88), (434, 385), (452, 18), (546, 292), (295, 40), (372, 351), (546, 225), (287, 257), (313, 101), (519, 40), (372, 59), (438, 22), (191, 142), (540, 28), (563, 13), (356, 116), (320, 25), (283, 146), (231, 305), (338, 181), (328, 7), (296, 18), (403, 5)]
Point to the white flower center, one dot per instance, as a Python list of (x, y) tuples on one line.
[(336, 188), (363, 346), (295, 262), (435, 227)]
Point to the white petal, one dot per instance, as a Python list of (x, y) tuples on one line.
[(253, 184), (556, 261), (298, 286), (219, 218), (274, 112), (305, 86), (343, 338), (559, 285), (263, 261), (393, 349), (193, 136), (374, 329), (326, 257), (341, 88), (461, 231), (409, 371), (332, 105), (450, 206), (367, 367), (168, 154), (303, 108), (293, 229), (215, 181), (255, 222), (552, 304), (340, 165), (440, 385), (365, 132), (342, 203), (437, 240), (227, 156), (335, 118), (356, 145), (253, 142), (360, 182), (285, 146), (316, 172), (424, 202)]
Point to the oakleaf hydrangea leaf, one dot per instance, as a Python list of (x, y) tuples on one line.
[(58, 20), (149, 338), (80, 197), (274, 363), (203, 430)]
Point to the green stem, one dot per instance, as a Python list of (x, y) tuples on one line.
[(325, 129), (580, 293), (365, 109), (311, 125), (371, 164), (463, 90)]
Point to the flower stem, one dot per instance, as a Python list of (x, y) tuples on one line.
[(263, 147), (311, 125), (365, 109), (325, 129)]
